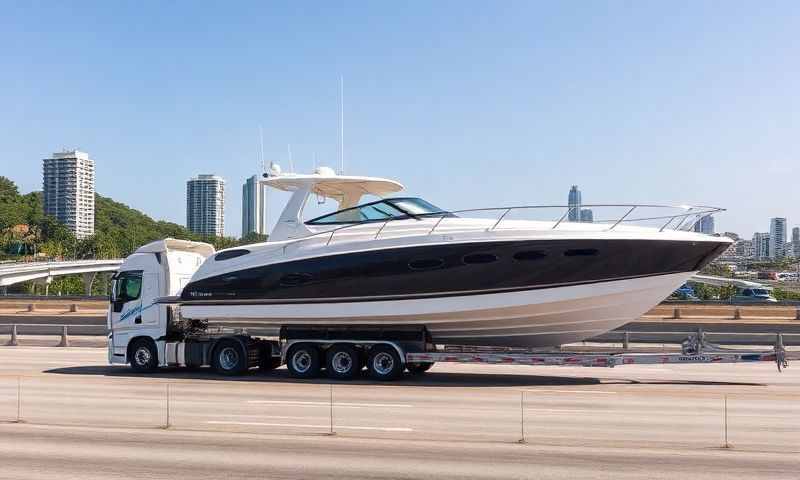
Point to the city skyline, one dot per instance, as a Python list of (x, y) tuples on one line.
[(688, 114), (705, 225)]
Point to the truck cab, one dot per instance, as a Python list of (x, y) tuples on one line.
[(137, 322)]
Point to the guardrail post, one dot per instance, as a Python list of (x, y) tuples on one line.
[(64, 340), (31, 307), (737, 314), (626, 340), (73, 308), (676, 313), (797, 314), (13, 342)]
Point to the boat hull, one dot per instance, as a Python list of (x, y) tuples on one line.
[(538, 317)]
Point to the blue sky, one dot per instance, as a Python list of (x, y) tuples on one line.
[(469, 104)]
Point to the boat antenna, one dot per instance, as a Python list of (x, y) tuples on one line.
[(291, 161), (341, 125), (264, 190), (261, 139)]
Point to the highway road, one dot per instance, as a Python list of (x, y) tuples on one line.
[(84, 419)]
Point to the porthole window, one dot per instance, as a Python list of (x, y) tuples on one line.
[(581, 252), (529, 255), (477, 258), (228, 254), (425, 264)]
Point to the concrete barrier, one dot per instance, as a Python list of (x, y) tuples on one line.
[(64, 339), (13, 342)]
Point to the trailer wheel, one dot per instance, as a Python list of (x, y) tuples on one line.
[(303, 360), (343, 361), (229, 358), (417, 368), (143, 356), (384, 363)]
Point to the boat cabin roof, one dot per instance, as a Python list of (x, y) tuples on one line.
[(334, 186)]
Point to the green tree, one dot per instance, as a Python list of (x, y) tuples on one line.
[(253, 237)]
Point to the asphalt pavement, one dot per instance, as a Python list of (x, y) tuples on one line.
[(84, 419)]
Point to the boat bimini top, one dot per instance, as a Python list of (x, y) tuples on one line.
[(347, 191)]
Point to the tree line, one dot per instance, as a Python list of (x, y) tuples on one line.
[(26, 233)]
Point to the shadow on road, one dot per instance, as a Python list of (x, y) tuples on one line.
[(429, 379)]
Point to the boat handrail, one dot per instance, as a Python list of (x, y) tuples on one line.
[(699, 212)]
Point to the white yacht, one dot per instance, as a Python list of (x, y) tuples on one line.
[(468, 280)]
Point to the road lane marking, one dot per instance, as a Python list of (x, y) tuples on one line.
[(303, 425), (557, 410), (327, 404), (592, 392), (277, 417)]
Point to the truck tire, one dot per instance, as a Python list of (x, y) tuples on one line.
[(384, 363), (229, 357), (343, 361), (143, 356), (417, 368), (303, 360)]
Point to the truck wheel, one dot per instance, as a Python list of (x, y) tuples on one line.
[(343, 361), (303, 360), (418, 367), (384, 363), (229, 358), (143, 356)]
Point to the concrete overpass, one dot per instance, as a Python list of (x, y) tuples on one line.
[(45, 271)]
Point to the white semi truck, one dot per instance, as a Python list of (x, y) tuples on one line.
[(147, 331)]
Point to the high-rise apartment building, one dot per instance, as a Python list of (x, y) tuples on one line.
[(761, 245), (777, 238), (744, 248), (254, 207), (574, 202), (796, 241), (705, 225), (205, 205), (587, 215), (68, 185)]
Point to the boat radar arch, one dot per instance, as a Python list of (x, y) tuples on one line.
[(346, 190)]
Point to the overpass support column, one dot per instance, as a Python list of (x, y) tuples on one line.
[(45, 282), (88, 280)]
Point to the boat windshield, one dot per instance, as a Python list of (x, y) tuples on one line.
[(382, 210)]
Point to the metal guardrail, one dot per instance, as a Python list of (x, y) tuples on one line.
[(62, 330), (677, 314), (53, 298), (625, 337), (722, 338)]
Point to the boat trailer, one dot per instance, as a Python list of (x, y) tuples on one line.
[(695, 349)]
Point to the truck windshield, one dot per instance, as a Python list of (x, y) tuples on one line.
[(128, 286)]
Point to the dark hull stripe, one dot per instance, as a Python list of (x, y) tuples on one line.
[(452, 270), (410, 297)]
